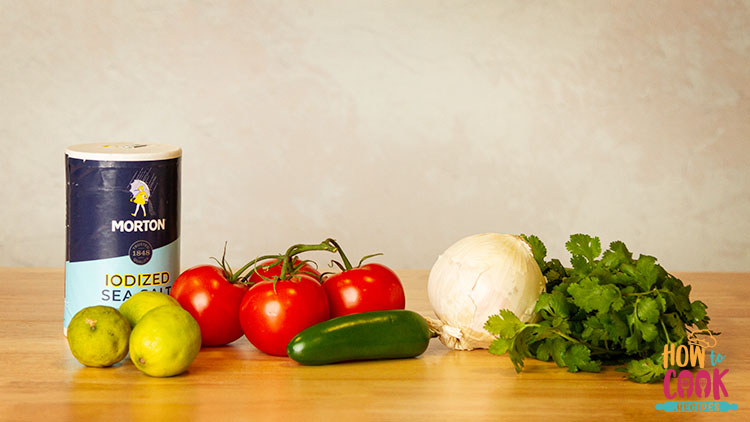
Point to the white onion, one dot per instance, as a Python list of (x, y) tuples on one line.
[(477, 277)]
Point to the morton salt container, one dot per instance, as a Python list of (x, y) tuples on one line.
[(123, 222)]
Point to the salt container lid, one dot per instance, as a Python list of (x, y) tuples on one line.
[(123, 151)]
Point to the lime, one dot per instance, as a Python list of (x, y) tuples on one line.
[(137, 305), (165, 341), (98, 336)]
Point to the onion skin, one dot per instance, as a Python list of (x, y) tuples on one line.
[(476, 277)]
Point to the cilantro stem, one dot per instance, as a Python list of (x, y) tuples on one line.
[(569, 338), (575, 340), (652, 291), (666, 333), (565, 336)]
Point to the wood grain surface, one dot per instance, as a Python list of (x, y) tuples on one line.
[(41, 381)]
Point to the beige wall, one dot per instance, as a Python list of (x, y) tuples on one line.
[(394, 126)]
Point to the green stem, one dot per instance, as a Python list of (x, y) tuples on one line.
[(666, 333), (287, 269), (236, 275), (569, 338), (347, 264), (652, 291)]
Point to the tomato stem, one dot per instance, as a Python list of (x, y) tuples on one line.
[(232, 277), (347, 264), (368, 257), (287, 261), (287, 267)]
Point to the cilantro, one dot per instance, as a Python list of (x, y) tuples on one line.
[(645, 370), (554, 304), (648, 310), (505, 325), (537, 248), (552, 348), (608, 308), (578, 357), (591, 296), (583, 245)]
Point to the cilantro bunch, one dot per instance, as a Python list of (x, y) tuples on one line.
[(608, 309)]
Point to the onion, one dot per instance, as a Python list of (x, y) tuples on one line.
[(477, 277)]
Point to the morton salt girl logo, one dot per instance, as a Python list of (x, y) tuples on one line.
[(702, 384), (140, 188), (141, 192), (141, 185)]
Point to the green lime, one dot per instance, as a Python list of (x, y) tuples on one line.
[(98, 336), (165, 341), (137, 305)]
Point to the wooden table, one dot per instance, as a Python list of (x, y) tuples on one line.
[(41, 381)]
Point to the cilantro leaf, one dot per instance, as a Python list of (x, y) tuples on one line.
[(552, 348), (676, 326), (616, 255), (543, 330), (593, 330), (647, 272), (578, 357), (519, 348), (614, 326), (697, 311), (554, 273), (648, 332), (580, 263), (537, 249), (648, 310), (584, 245), (633, 342), (645, 370), (662, 302), (554, 303), (500, 346), (681, 297), (591, 296), (561, 324), (505, 325)]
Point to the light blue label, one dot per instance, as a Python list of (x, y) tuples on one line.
[(696, 406), (112, 281)]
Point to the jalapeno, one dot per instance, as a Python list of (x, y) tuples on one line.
[(363, 336)]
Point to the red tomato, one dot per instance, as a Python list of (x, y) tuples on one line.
[(275, 271), (371, 287), (271, 319), (213, 301)]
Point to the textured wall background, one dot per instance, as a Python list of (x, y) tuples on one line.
[(394, 126)]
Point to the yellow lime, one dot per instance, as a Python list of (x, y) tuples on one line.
[(137, 305), (98, 336), (165, 341)]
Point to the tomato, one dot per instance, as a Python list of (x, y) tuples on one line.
[(371, 287), (270, 319), (213, 301), (257, 275)]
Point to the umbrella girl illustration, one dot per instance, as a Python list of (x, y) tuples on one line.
[(141, 192)]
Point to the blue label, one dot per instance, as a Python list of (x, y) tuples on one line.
[(112, 281), (696, 406)]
